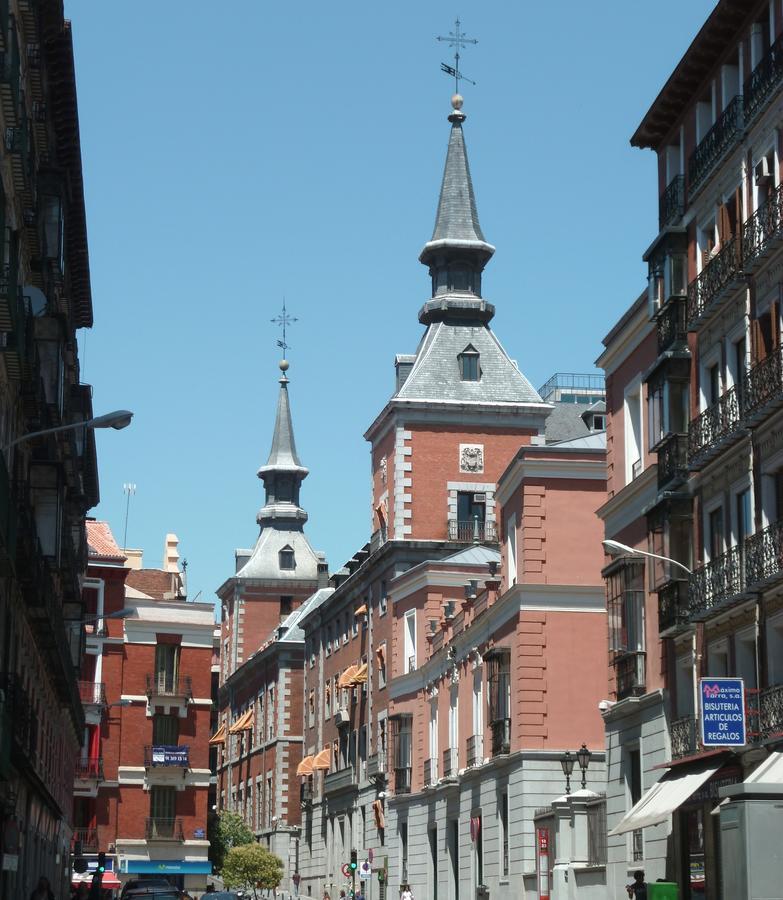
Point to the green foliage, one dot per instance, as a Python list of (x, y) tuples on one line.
[(224, 832), (250, 867)]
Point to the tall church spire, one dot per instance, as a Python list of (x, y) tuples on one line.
[(457, 252), (283, 473)]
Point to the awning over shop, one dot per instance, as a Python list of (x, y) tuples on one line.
[(323, 760), (305, 767), (243, 723), (346, 679), (361, 611), (769, 772), (361, 675), (109, 879), (657, 804), (219, 737), (168, 866)]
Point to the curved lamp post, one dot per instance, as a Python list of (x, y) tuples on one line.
[(118, 419), (615, 547)]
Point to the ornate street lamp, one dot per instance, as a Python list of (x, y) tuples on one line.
[(583, 755), (567, 762)]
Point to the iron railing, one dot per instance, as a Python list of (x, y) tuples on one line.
[(683, 735), (723, 135), (430, 772), (87, 838), (771, 711), (714, 278), (712, 427), (163, 684), (762, 228), (763, 80), (160, 829), (717, 582), (341, 780), (671, 324), (630, 674), (673, 610), (501, 736), (596, 833), (89, 769), (763, 385), (672, 460), (475, 750), (474, 530), (402, 779), (92, 693), (450, 762), (764, 554), (671, 206)]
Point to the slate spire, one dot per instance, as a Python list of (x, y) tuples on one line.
[(457, 251)]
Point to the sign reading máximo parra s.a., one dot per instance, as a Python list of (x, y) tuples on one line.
[(722, 703)]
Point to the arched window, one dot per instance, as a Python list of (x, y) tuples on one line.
[(469, 368), (287, 560)]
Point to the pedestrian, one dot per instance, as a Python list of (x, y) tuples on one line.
[(637, 890), (43, 890), (407, 893), (326, 896), (81, 891)]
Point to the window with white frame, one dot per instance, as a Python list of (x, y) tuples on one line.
[(409, 641), (633, 431), (511, 549), (433, 732)]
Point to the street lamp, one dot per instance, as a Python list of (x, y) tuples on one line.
[(118, 419), (567, 762), (583, 756), (89, 620), (615, 547)]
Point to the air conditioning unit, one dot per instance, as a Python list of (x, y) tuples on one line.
[(342, 716), (763, 173), (479, 498)]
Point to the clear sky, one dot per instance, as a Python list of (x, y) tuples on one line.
[(238, 152)]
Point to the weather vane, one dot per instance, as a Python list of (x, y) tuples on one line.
[(458, 41), (283, 321)]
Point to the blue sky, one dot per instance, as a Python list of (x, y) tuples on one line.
[(240, 152)]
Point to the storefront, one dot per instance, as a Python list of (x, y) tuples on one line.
[(185, 874)]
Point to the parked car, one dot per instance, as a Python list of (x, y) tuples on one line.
[(222, 895), (153, 881)]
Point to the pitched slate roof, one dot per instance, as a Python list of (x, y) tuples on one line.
[(596, 440), (292, 624), (436, 375), (565, 423), (264, 561), (477, 555)]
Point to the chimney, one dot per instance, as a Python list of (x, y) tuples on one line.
[(171, 554)]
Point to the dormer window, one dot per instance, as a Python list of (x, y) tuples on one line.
[(286, 556), (469, 368)]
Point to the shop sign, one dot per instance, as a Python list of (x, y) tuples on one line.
[(722, 712), (542, 862)]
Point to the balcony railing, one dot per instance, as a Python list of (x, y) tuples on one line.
[(162, 684), (501, 736), (92, 693), (673, 608), (450, 762), (630, 675), (672, 203), (430, 772), (763, 386), (671, 324), (683, 734), (672, 461), (723, 135), (764, 555), (341, 780), (763, 80), (704, 291), (718, 582), (763, 229), (87, 838), (475, 750), (158, 829), (472, 530), (376, 765), (771, 711), (167, 755), (89, 769), (713, 428), (402, 779)]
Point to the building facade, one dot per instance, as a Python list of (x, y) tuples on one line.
[(47, 483), (694, 388), (143, 777)]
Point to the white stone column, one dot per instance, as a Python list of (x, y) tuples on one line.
[(559, 889)]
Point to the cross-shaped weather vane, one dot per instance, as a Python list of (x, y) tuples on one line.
[(283, 321), (458, 41)]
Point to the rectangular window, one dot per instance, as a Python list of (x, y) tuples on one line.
[(328, 700), (715, 534), (403, 852), (402, 738), (625, 601), (384, 598), (166, 667), (165, 730), (633, 435), (286, 606), (511, 549), (270, 712), (454, 718), (744, 520), (434, 729), (380, 657), (355, 625), (270, 801), (504, 833), (633, 779), (499, 680), (409, 641), (163, 804), (478, 844)]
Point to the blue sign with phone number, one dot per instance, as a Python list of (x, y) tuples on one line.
[(722, 712)]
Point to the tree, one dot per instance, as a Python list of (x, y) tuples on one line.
[(226, 831), (250, 867)]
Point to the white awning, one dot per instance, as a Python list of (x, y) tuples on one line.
[(664, 797), (769, 772)]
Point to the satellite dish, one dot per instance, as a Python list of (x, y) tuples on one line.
[(36, 299)]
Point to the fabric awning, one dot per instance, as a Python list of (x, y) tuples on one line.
[(305, 767), (361, 611), (109, 879), (346, 679), (219, 737), (244, 722), (769, 772), (361, 675), (660, 801), (380, 819), (323, 760), (380, 656)]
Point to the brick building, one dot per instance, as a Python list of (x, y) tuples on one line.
[(143, 778), (47, 483), (694, 425)]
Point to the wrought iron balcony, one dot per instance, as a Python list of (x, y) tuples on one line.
[(92, 693), (160, 829), (763, 231), (306, 792), (630, 670), (10, 79), (764, 555), (673, 609), (342, 780), (450, 762), (763, 390), (475, 750), (672, 203), (718, 583), (763, 81), (683, 734), (376, 765), (724, 134), (723, 270), (671, 325), (430, 772), (89, 769), (167, 756), (402, 779), (501, 736), (771, 711), (87, 838), (718, 426), (163, 684), (472, 530), (672, 461)]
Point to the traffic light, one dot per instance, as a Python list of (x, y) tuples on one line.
[(353, 864), (381, 876), (101, 862)]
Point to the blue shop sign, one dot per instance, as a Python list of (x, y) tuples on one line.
[(722, 712), (168, 867)]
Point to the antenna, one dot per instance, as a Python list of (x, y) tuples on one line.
[(283, 321), (129, 490), (458, 41)]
